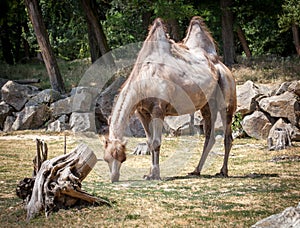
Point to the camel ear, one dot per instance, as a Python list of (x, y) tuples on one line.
[(124, 142), (106, 141)]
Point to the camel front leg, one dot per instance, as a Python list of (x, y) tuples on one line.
[(156, 126)]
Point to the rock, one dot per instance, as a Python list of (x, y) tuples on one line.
[(105, 100), (247, 96), (46, 96), (59, 125), (31, 117), (283, 106), (84, 99), (9, 121), (82, 122), (294, 87), (282, 88), (61, 107), (2, 83), (290, 217), (257, 125), (134, 128), (183, 125), (280, 135), (17, 95), (5, 110)]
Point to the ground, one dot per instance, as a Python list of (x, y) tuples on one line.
[(258, 186)]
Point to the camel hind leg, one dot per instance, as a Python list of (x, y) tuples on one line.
[(209, 113), (226, 116)]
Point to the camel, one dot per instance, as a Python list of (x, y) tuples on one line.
[(167, 79), (199, 40)]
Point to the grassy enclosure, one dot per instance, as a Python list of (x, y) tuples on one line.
[(261, 182), (258, 186)]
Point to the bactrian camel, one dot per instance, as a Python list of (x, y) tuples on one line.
[(170, 79)]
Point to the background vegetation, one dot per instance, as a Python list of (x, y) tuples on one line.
[(265, 24)]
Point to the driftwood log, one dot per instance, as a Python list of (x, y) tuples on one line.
[(56, 183)]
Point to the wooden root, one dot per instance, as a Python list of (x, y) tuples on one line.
[(57, 183)]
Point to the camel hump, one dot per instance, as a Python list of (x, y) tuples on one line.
[(158, 22)]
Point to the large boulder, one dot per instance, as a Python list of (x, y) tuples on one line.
[(59, 125), (17, 95), (283, 106), (5, 110), (294, 87), (31, 117), (9, 121), (256, 125), (61, 107), (247, 96), (82, 122), (2, 83), (290, 217), (46, 96), (84, 99), (134, 128), (183, 125), (282, 88), (105, 100)]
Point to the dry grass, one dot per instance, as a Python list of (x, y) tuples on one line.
[(255, 189), (267, 69)]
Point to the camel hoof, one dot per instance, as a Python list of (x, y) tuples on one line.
[(221, 174), (194, 173), (151, 177)]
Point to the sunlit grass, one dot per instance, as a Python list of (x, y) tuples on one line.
[(255, 189)]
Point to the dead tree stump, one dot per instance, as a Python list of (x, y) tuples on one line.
[(279, 139), (57, 183)]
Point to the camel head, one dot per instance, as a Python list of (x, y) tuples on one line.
[(114, 155)]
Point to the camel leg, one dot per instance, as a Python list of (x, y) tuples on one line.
[(209, 115), (227, 120), (154, 142), (145, 119)]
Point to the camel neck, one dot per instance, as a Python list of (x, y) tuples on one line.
[(120, 115)]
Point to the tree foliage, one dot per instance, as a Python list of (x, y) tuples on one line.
[(126, 21), (290, 14)]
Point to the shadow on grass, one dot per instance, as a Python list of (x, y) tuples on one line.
[(250, 176)]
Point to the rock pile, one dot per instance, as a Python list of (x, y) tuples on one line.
[(266, 109), (263, 109)]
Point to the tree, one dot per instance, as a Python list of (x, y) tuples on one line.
[(243, 41), (290, 18), (96, 31), (39, 27), (227, 32)]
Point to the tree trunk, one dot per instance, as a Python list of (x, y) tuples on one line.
[(39, 27), (98, 32), (7, 49), (93, 44), (295, 29), (227, 32), (243, 41)]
